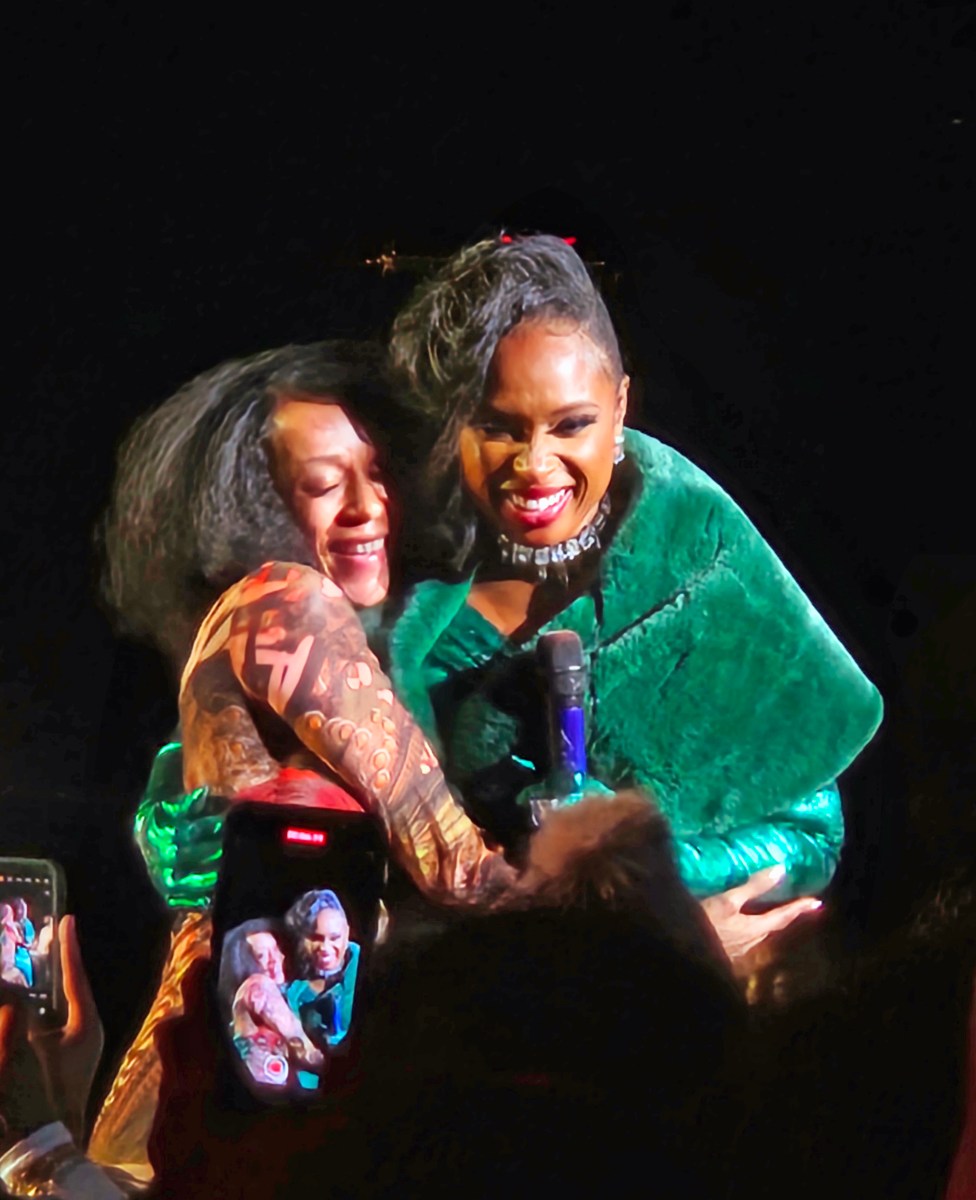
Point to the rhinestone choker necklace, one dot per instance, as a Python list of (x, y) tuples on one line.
[(543, 561)]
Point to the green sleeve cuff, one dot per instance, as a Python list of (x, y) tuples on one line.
[(806, 839)]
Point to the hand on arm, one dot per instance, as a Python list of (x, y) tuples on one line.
[(805, 838), (785, 858), (741, 932)]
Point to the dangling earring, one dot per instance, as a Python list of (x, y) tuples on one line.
[(618, 449)]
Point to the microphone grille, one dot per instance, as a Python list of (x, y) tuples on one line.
[(561, 651)]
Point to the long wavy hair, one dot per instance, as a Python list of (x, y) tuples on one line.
[(444, 339), (193, 507)]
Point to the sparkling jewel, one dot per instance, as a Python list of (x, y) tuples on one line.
[(554, 559)]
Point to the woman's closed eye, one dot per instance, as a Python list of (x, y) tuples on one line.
[(318, 487)]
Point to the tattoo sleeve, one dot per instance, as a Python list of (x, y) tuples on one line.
[(295, 645)]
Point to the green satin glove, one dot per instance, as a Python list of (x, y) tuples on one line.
[(806, 838), (180, 834)]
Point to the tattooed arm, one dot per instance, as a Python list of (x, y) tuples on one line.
[(294, 644)]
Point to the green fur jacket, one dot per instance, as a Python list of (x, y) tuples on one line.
[(713, 684)]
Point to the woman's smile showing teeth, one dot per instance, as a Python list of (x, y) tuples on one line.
[(329, 478), (358, 564), (357, 548), (536, 507), (538, 454)]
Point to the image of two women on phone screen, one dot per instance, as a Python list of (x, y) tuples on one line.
[(286, 986)]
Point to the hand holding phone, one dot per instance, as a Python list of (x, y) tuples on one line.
[(46, 1072), (295, 915)]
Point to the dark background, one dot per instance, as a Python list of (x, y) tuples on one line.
[(781, 195)]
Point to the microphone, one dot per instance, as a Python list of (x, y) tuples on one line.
[(560, 656)]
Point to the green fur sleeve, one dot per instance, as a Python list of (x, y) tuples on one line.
[(806, 839)]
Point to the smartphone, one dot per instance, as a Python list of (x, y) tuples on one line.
[(295, 918), (31, 905)]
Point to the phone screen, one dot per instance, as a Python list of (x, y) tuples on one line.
[(295, 918), (31, 893)]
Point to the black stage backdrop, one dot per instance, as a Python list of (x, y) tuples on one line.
[(780, 195)]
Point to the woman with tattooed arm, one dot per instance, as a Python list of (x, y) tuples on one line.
[(259, 481)]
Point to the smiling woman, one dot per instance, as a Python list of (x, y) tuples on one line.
[(713, 683), (540, 452), (262, 456), (538, 456), (326, 471), (259, 489), (199, 497)]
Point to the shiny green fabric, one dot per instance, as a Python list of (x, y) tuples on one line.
[(714, 684), (805, 836), (179, 833)]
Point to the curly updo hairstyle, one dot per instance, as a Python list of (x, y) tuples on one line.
[(193, 506), (443, 342)]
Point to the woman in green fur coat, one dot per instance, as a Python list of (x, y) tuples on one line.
[(713, 682)]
